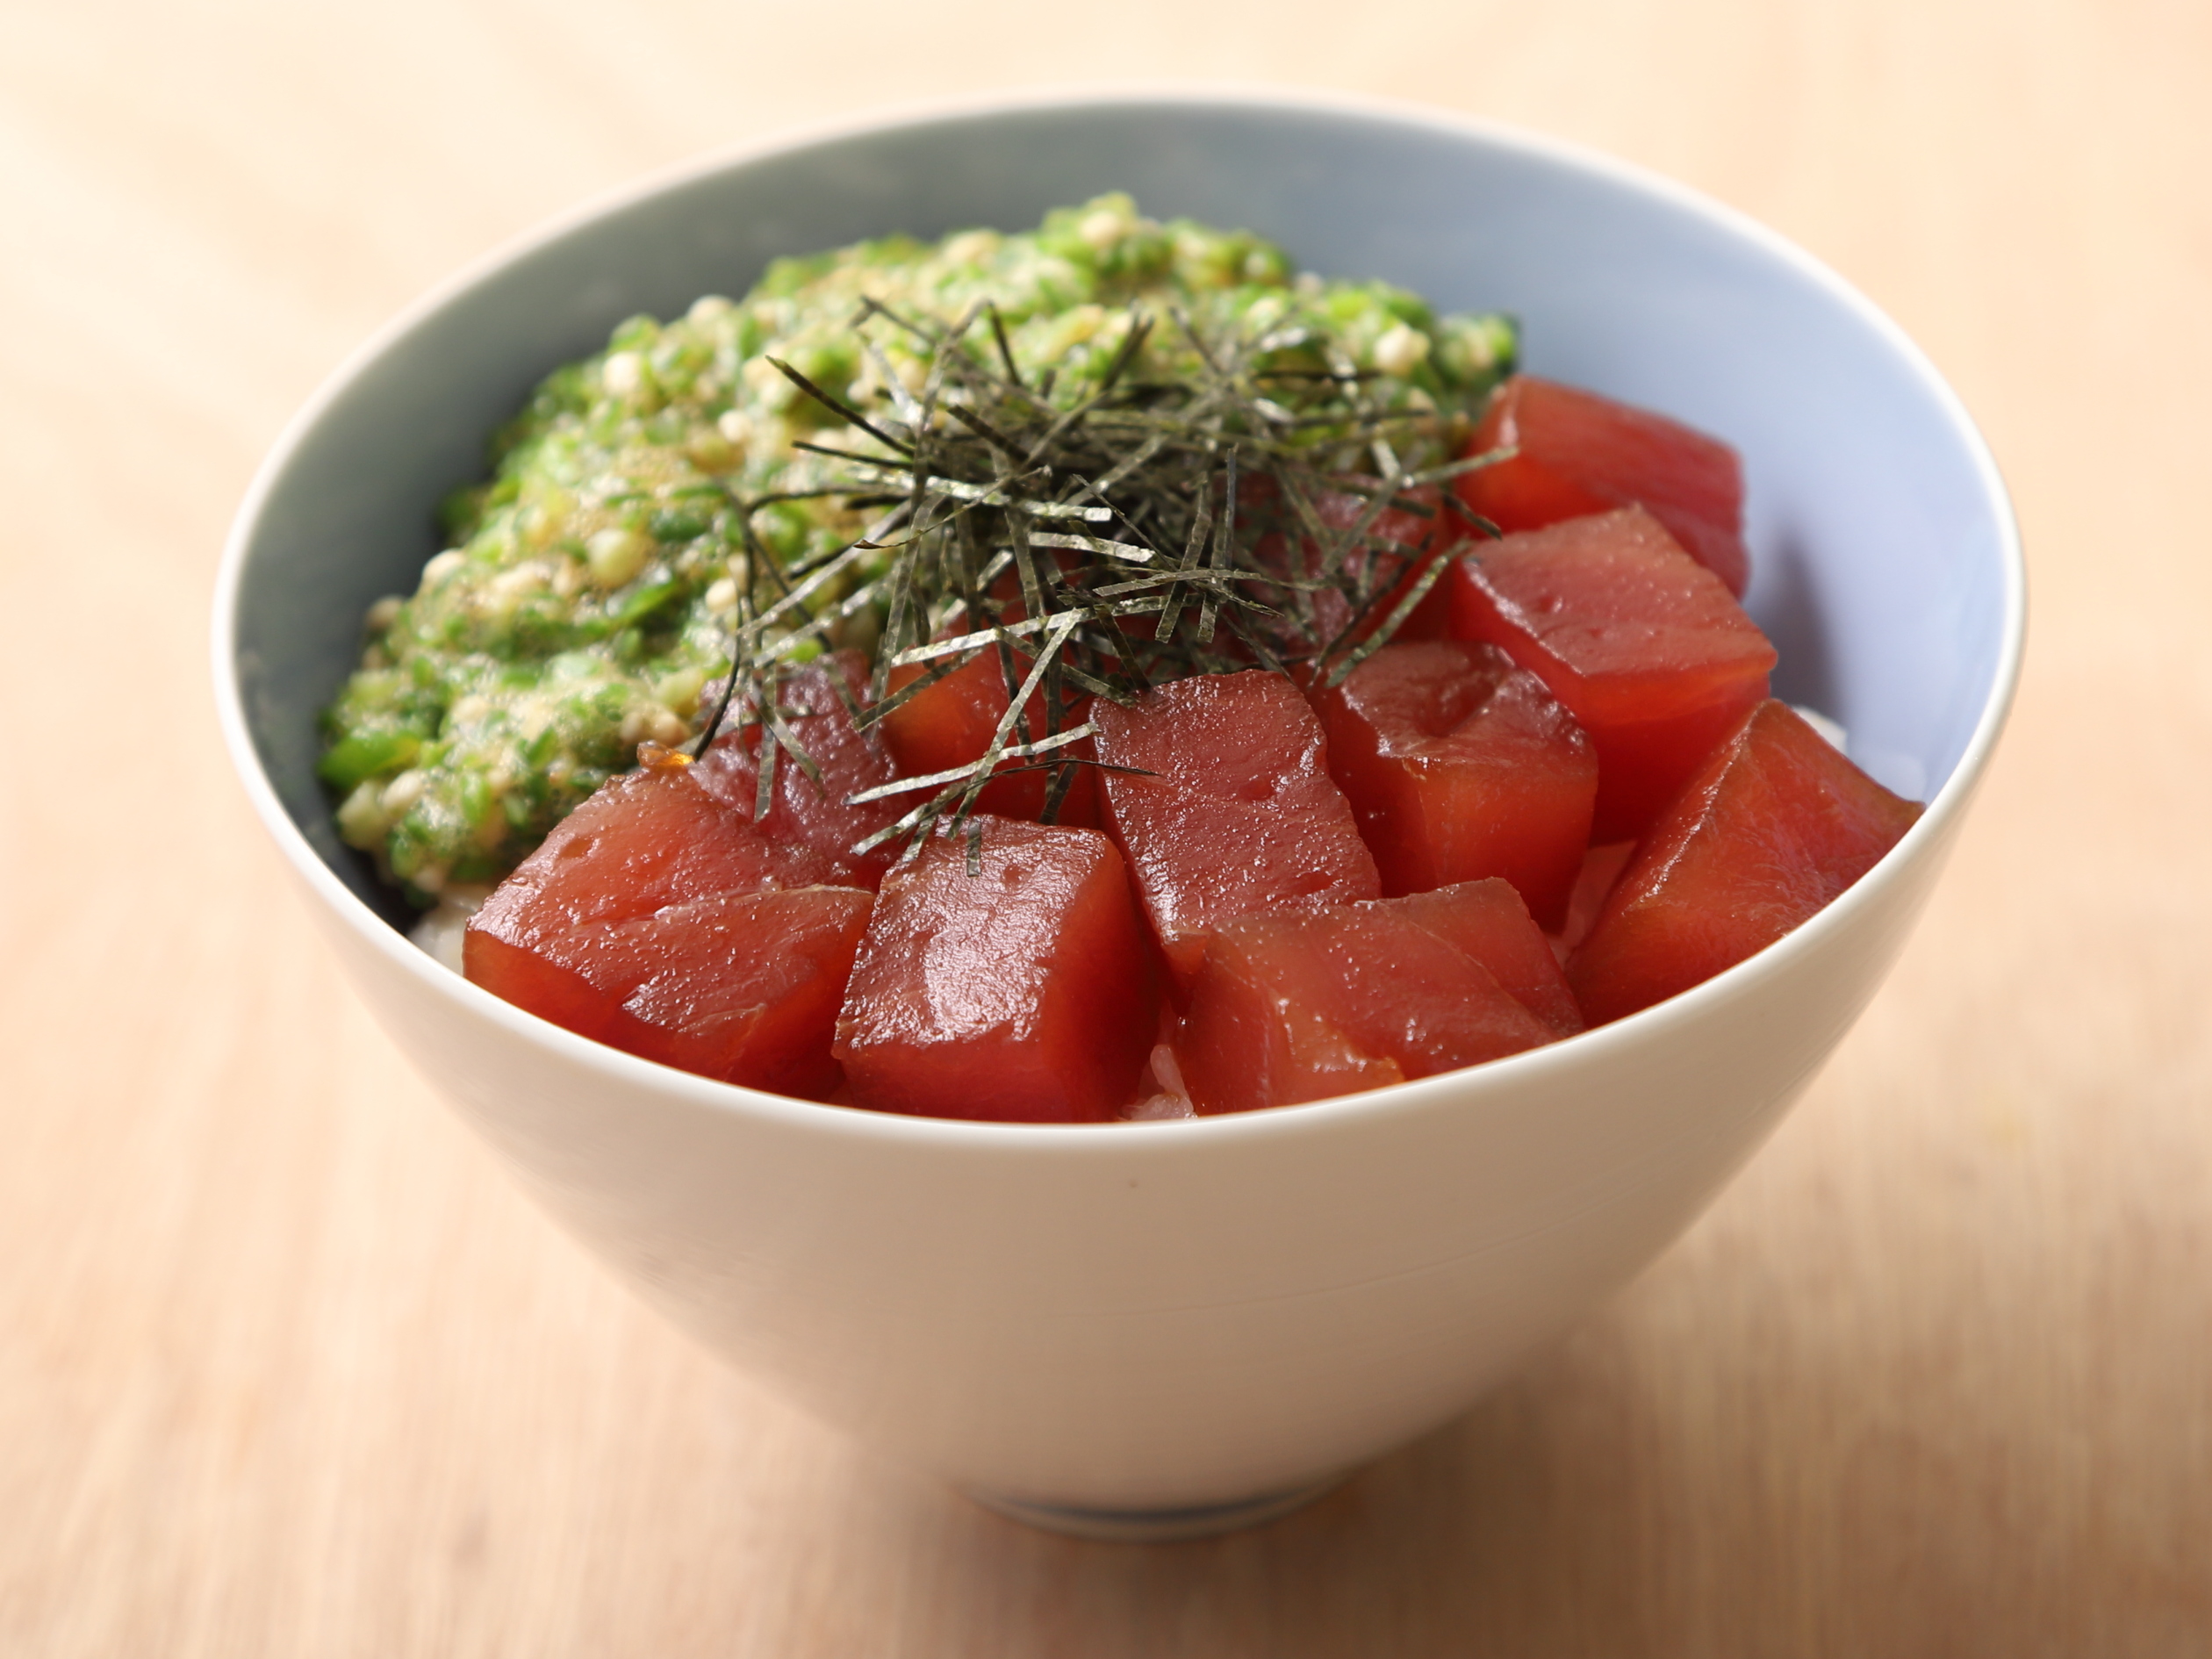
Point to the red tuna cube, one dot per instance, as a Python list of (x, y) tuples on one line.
[(660, 919), (805, 812), (1239, 814), (645, 840), (1458, 765), (1301, 1005), (951, 723), (1649, 652), (1393, 557), (742, 987), (1777, 824), (1487, 920), (1577, 453), (1026, 993)]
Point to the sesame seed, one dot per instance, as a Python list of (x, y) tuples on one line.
[(680, 690), (404, 790), (362, 819), (1102, 229), (971, 248), (623, 374), (767, 385), (616, 555), (1400, 350)]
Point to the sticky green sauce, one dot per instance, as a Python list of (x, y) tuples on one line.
[(584, 599)]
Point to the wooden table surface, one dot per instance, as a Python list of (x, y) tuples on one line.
[(287, 1367)]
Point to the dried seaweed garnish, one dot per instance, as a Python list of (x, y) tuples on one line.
[(1186, 486)]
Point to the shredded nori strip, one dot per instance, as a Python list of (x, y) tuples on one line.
[(1043, 534)]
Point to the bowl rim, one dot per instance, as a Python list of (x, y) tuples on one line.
[(1499, 1077)]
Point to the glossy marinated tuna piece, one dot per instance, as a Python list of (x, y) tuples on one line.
[(1488, 921), (1777, 825), (1026, 993), (1239, 814), (803, 812), (1650, 653), (1579, 453), (644, 840), (1397, 543), (660, 919), (951, 723), (1391, 555), (743, 986), (1301, 1005), (1460, 765)]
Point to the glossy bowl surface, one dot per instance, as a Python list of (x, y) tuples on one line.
[(1142, 1329)]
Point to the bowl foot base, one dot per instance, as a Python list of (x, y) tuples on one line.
[(1153, 1526)]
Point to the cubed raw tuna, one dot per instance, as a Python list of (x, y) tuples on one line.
[(660, 919), (1777, 824), (1460, 765), (951, 722), (1579, 453), (743, 986), (1397, 545), (1025, 992), (1648, 650), (1487, 920), (1305, 1004), (805, 812), (645, 840), (1239, 814)]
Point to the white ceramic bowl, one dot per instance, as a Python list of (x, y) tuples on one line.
[(1156, 1328)]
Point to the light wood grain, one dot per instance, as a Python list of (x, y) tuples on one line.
[(288, 1369)]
